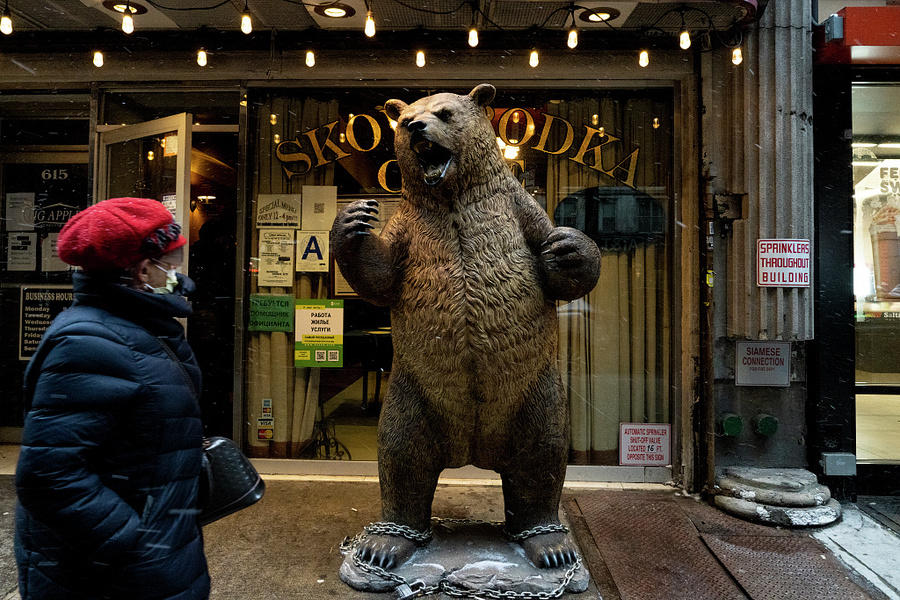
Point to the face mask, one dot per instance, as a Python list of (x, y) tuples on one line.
[(171, 281)]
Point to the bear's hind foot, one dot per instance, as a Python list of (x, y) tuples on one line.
[(550, 550), (385, 551)]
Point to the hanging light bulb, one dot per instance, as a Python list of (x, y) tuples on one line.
[(736, 56), (370, 25), (98, 59), (201, 57), (420, 59), (473, 36), (572, 42), (533, 59), (310, 58), (6, 21), (246, 24), (655, 122), (644, 58), (273, 119), (127, 21), (684, 40), (150, 155)]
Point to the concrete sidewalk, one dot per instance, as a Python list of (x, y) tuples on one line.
[(643, 542)]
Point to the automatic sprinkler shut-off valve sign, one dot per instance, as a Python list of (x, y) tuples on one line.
[(645, 444)]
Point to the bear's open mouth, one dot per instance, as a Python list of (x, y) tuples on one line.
[(434, 160)]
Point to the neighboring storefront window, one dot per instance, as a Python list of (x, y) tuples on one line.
[(600, 161), (44, 175), (876, 272)]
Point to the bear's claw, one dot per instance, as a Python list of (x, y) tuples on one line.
[(385, 551), (550, 550)]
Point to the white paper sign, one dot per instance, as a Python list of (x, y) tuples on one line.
[(762, 363), (645, 444), (278, 210), (782, 263), (312, 251), (22, 251), (170, 201), (276, 257), (319, 207), (20, 211), (50, 260)]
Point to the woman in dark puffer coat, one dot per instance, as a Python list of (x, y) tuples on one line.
[(108, 472)]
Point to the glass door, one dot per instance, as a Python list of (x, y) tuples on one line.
[(194, 174), (876, 272), (149, 160)]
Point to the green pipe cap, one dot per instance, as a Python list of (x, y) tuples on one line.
[(732, 424), (766, 425)]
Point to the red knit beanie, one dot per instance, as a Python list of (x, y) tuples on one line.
[(117, 233)]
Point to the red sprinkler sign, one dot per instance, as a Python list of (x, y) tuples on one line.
[(782, 263)]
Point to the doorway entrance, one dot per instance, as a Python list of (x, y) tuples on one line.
[(192, 170)]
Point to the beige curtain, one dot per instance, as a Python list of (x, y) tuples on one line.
[(271, 373), (614, 342)]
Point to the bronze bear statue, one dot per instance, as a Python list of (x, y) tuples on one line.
[(470, 266)]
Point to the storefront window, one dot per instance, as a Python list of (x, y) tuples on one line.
[(600, 161), (44, 181), (876, 269)]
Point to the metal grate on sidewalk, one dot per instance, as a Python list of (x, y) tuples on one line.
[(652, 550), (784, 567), (663, 546)]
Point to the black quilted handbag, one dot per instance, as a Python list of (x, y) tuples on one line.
[(228, 480)]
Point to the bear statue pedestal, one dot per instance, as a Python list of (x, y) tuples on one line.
[(469, 556)]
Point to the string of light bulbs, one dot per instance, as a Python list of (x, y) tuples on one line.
[(572, 36)]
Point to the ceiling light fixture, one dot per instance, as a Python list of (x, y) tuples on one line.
[(246, 23), (736, 56), (6, 21), (644, 58), (310, 58), (533, 60), (335, 10), (120, 6), (420, 59), (599, 14), (98, 59), (201, 57)]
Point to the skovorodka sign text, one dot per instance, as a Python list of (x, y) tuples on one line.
[(317, 147)]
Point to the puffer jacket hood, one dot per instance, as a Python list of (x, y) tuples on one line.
[(109, 465)]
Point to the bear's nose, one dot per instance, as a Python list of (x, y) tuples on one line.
[(416, 126)]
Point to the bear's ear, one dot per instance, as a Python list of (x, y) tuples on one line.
[(483, 94), (393, 108)]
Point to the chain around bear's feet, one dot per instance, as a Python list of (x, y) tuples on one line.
[(385, 551), (550, 550)]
